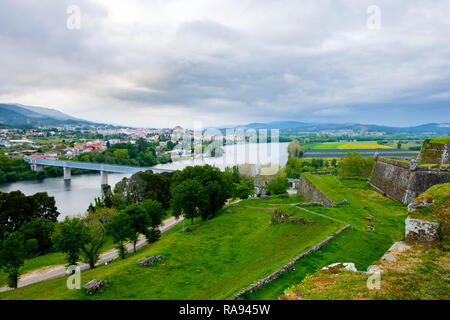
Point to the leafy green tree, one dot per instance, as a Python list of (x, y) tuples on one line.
[(353, 165), (95, 223), (121, 230), (13, 253), (295, 149), (243, 189), (69, 237), (187, 199), (140, 222), (211, 191), (41, 231), (278, 186)]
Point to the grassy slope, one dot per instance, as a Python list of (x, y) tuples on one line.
[(328, 184), (273, 200), (443, 140), (359, 245), (213, 261), (420, 273)]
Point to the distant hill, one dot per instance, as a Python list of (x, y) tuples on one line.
[(21, 116), (295, 126)]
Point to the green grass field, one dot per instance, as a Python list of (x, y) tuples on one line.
[(359, 245), (213, 261)]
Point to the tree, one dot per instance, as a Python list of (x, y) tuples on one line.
[(156, 213), (355, 166), (69, 237), (295, 149), (41, 230), (13, 253), (243, 189), (121, 230), (95, 223), (187, 198), (278, 186), (140, 222), (209, 191), (17, 209)]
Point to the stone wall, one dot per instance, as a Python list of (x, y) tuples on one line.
[(311, 193), (402, 183)]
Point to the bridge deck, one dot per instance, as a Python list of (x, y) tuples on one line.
[(95, 166)]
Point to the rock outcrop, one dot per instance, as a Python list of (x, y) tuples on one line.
[(420, 230), (93, 286)]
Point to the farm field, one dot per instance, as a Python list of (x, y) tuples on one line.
[(346, 145), (213, 261), (357, 245)]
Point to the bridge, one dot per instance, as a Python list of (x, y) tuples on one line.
[(38, 164)]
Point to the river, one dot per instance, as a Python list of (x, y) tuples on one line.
[(73, 197)]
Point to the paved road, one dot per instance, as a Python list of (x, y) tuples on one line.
[(58, 271)]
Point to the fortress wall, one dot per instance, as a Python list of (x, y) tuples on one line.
[(390, 176), (311, 193), (400, 183)]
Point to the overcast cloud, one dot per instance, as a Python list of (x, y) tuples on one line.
[(168, 62)]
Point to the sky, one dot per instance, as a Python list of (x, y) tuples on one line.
[(163, 63)]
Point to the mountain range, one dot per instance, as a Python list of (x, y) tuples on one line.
[(13, 115), (21, 116), (295, 126)]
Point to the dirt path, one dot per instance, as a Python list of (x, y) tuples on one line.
[(56, 271)]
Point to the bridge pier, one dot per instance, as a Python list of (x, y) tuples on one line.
[(67, 173), (104, 178), (36, 167)]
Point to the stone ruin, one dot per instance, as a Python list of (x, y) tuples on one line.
[(281, 216), (149, 261), (93, 286)]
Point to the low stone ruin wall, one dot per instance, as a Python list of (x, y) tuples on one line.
[(311, 193)]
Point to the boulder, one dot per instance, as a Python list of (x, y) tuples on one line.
[(420, 230), (185, 229), (93, 286), (283, 196), (264, 196), (414, 205), (389, 257), (341, 266), (343, 202), (399, 246), (369, 218), (229, 211)]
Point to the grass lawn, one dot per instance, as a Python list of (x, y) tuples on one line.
[(274, 200), (213, 261), (359, 245), (328, 184)]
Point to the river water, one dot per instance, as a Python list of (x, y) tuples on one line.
[(73, 197)]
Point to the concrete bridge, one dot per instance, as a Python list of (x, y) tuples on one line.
[(38, 164)]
